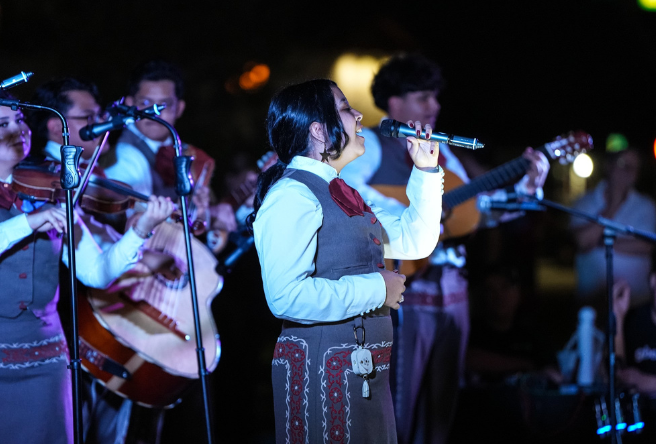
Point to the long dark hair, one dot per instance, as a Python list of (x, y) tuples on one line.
[(291, 112)]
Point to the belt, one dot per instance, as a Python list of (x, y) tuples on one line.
[(433, 300)]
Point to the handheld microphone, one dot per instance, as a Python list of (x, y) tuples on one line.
[(92, 131), (394, 128), (16, 80)]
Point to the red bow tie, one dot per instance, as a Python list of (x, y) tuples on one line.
[(7, 196), (164, 164), (348, 199)]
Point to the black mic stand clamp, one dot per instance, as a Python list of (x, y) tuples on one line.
[(184, 187), (184, 184)]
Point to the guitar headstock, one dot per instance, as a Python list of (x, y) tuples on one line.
[(565, 148), (267, 161)]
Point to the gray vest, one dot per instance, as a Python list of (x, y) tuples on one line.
[(29, 272), (395, 164), (346, 245)]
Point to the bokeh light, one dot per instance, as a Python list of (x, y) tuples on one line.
[(354, 73), (253, 78), (583, 166), (647, 5), (616, 142)]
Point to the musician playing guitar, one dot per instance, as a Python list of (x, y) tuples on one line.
[(143, 158), (143, 154), (431, 339), (105, 414)]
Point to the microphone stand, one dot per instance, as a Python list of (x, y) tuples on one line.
[(183, 188), (70, 178), (611, 230)]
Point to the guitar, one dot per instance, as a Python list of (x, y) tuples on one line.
[(460, 214), (239, 195), (138, 337)]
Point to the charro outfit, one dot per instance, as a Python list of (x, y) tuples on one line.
[(320, 248), (36, 405)]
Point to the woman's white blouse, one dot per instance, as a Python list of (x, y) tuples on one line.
[(285, 232)]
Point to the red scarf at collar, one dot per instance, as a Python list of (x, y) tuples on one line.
[(347, 198)]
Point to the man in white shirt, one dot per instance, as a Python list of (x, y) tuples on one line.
[(431, 335), (106, 415), (143, 156)]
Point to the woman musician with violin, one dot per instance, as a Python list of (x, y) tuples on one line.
[(33, 349)]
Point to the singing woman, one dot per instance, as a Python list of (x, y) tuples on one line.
[(322, 251)]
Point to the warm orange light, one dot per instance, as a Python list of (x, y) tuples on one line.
[(654, 147), (260, 73), (254, 76), (245, 81)]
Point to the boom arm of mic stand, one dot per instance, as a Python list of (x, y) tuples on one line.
[(604, 222)]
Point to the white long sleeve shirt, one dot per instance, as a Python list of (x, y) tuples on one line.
[(285, 232), (358, 173), (131, 165), (94, 267)]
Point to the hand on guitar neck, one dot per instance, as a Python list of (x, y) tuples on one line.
[(537, 171), (242, 193), (461, 215)]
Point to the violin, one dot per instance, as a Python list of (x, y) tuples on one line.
[(41, 182)]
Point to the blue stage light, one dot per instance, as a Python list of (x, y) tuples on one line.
[(602, 430), (636, 426)]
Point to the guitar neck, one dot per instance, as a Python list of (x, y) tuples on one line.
[(492, 180), (240, 195)]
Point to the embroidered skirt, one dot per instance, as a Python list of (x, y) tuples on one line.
[(318, 398), (36, 404)]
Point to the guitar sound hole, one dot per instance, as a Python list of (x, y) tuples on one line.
[(177, 284)]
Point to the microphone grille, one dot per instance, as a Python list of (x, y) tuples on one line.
[(387, 128), (86, 133)]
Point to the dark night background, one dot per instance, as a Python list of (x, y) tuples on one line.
[(518, 73)]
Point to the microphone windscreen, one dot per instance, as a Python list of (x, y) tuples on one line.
[(386, 128), (86, 133)]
